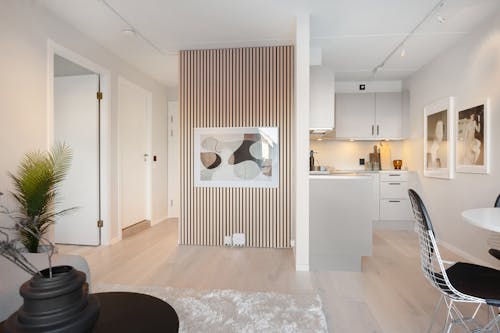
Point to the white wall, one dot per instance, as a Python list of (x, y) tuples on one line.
[(25, 28), (470, 71), (345, 155)]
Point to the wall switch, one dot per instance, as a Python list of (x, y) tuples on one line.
[(362, 87), (239, 239), (361, 161), (228, 241)]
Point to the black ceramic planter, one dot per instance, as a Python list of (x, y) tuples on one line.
[(58, 304)]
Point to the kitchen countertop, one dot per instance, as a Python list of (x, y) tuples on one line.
[(340, 176)]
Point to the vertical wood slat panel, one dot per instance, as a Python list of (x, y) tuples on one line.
[(245, 87)]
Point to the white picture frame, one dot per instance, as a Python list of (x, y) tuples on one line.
[(473, 138), (254, 164), (439, 139)]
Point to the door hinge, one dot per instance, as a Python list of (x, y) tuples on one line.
[(100, 223), (99, 95)]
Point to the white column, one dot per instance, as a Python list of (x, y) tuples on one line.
[(301, 170)]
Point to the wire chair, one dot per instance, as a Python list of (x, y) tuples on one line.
[(494, 239), (454, 281)]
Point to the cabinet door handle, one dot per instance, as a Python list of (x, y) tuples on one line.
[(378, 132), (394, 183), (373, 130), (394, 201), (394, 175)]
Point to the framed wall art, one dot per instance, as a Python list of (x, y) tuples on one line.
[(439, 140), (473, 142), (236, 157)]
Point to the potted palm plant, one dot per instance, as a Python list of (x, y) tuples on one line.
[(35, 191), (56, 298)]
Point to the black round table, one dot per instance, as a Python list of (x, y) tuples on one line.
[(132, 312), (126, 312)]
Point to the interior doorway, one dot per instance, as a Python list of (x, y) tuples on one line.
[(78, 107), (76, 123), (134, 154)]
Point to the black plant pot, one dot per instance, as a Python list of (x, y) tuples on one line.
[(58, 304)]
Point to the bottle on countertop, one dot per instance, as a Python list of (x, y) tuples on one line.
[(311, 160)]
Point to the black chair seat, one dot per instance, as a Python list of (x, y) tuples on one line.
[(495, 253), (474, 280)]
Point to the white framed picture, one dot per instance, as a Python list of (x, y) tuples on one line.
[(236, 157), (439, 139), (473, 144)]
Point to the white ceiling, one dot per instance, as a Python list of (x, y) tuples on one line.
[(355, 35)]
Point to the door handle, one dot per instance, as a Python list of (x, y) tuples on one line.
[(395, 201), (378, 132), (373, 131), (394, 183)]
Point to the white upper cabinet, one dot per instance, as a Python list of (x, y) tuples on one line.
[(355, 115), (322, 112), (369, 116), (388, 113)]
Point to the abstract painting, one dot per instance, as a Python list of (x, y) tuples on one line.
[(439, 139), (236, 157), (472, 139)]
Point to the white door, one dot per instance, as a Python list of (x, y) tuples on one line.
[(355, 115), (174, 173), (76, 123), (388, 108), (134, 153)]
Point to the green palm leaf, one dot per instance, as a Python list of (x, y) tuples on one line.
[(35, 190)]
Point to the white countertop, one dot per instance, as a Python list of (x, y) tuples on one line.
[(340, 176)]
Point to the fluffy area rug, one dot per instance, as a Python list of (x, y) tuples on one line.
[(234, 311)]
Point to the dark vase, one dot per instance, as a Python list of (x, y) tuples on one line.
[(60, 303)]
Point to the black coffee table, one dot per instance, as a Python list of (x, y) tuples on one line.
[(126, 312), (132, 312)]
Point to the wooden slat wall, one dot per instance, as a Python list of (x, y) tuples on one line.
[(244, 87)]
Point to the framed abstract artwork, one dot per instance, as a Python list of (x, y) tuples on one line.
[(439, 139), (236, 157), (473, 142)]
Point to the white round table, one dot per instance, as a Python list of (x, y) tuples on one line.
[(485, 218)]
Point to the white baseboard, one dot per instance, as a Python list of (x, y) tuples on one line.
[(467, 256), (302, 268), (115, 240), (159, 220)]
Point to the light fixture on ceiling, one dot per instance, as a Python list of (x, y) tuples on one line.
[(438, 5), (129, 32), (441, 19), (133, 31), (403, 53)]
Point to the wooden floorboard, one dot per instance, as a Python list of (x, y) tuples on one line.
[(390, 295)]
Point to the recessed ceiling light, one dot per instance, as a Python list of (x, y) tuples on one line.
[(403, 53), (129, 32), (440, 18)]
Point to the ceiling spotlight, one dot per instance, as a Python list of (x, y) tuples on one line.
[(129, 32), (403, 53), (440, 19)]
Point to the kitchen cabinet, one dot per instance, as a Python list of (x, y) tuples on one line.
[(322, 107), (369, 116), (394, 201)]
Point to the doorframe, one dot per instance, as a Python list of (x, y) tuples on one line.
[(53, 49), (149, 149)]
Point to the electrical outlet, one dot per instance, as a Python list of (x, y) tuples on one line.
[(361, 161), (239, 239), (228, 241)]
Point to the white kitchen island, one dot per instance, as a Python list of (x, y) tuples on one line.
[(340, 223)]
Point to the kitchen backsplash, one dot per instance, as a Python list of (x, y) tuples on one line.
[(345, 155)]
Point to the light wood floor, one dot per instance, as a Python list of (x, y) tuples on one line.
[(390, 295)]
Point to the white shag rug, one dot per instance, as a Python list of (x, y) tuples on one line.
[(234, 311)]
